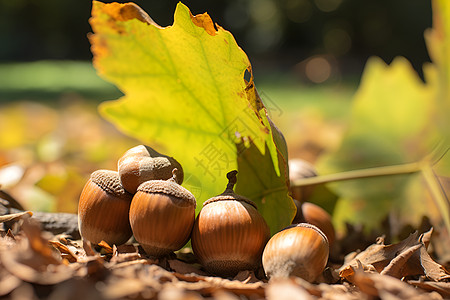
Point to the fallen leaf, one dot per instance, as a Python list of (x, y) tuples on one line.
[(442, 288), (34, 260), (65, 251), (396, 266), (387, 287), (406, 258), (11, 217), (286, 289), (105, 248), (8, 283), (185, 268)]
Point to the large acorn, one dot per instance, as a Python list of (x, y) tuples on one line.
[(142, 163), (298, 250), (229, 234), (103, 209), (162, 214)]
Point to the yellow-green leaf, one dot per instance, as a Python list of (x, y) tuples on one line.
[(185, 95)]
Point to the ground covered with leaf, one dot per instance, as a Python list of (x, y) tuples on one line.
[(36, 264)]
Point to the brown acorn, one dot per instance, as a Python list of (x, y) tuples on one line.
[(311, 213), (229, 234), (298, 250), (298, 169), (162, 214), (103, 209), (142, 163)]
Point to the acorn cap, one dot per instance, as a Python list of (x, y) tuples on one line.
[(307, 225), (229, 193), (168, 187), (109, 181)]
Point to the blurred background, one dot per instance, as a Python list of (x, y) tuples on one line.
[(307, 57), (282, 35)]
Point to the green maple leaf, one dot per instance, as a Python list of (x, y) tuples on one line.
[(185, 95)]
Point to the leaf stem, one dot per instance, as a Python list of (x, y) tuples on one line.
[(437, 193), (424, 167), (362, 173)]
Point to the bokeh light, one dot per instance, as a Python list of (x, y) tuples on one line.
[(318, 69)]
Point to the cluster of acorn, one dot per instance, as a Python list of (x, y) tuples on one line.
[(145, 198)]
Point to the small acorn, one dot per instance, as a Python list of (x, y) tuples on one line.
[(298, 250), (298, 169), (229, 234), (103, 209), (142, 163), (311, 213), (162, 214)]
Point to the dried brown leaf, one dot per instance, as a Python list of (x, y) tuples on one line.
[(31, 267), (121, 288), (185, 268), (65, 251), (94, 268), (380, 255), (397, 265), (246, 277), (170, 293), (12, 217), (8, 283), (125, 257), (339, 292), (443, 288), (88, 248), (210, 284), (224, 295), (432, 269), (426, 237), (33, 259), (130, 262), (286, 289), (76, 288), (105, 248), (388, 287), (406, 258), (349, 272)]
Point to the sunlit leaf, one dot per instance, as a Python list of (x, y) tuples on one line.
[(186, 96)]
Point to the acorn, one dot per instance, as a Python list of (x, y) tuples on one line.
[(142, 163), (162, 214), (298, 250), (103, 209), (298, 169), (311, 213), (229, 234)]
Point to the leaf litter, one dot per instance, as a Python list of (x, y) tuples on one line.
[(36, 264)]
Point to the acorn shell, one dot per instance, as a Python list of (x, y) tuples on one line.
[(298, 250), (142, 163), (229, 234), (103, 209), (162, 214)]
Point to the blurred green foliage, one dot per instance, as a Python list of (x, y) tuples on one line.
[(273, 33)]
